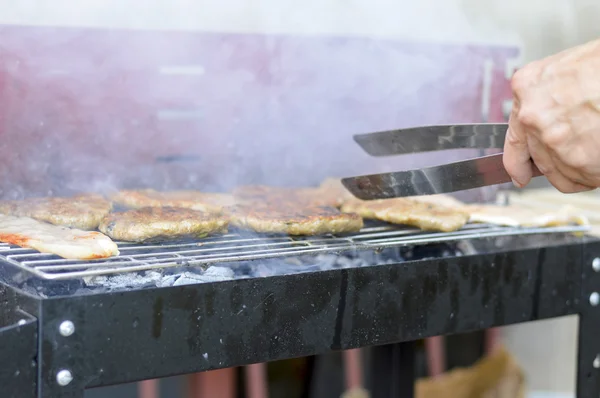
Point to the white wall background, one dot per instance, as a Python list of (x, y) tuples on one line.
[(542, 26), (421, 20)]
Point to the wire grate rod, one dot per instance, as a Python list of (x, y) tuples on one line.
[(238, 247)]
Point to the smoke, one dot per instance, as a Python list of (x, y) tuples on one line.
[(102, 95)]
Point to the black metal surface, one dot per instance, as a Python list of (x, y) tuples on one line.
[(588, 355), (159, 332), (393, 370), (18, 348), (149, 333), (59, 352)]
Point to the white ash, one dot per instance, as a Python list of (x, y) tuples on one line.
[(212, 274), (272, 267), (154, 278), (120, 281), (297, 265), (465, 248)]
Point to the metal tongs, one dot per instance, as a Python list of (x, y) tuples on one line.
[(467, 174)]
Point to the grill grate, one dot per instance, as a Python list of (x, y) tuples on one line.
[(236, 247)]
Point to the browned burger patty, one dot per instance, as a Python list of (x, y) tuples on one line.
[(293, 211), (81, 211), (288, 218), (195, 200), (422, 214), (161, 223)]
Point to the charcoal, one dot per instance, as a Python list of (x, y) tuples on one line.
[(271, 267)]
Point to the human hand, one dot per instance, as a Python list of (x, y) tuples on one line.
[(555, 120)]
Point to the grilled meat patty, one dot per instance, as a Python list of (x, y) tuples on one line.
[(408, 211), (46, 238), (195, 200), (286, 218), (293, 211), (161, 223), (81, 211)]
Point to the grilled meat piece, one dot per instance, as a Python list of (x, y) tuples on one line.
[(408, 211), (207, 202), (65, 242), (160, 223), (293, 211), (511, 215), (440, 200), (522, 216), (81, 211), (294, 219)]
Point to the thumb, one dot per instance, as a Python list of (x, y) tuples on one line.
[(516, 158)]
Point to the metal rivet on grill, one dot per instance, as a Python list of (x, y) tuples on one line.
[(594, 299), (596, 264), (66, 328), (64, 377), (597, 362)]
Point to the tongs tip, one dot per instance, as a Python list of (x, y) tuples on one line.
[(369, 144)]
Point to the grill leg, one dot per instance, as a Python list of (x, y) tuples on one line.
[(309, 376), (393, 370), (588, 352), (588, 358)]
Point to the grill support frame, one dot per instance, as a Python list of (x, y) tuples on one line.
[(588, 351), (393, 370), (142, 334), (18, 344)]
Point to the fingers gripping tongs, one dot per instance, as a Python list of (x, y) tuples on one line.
[(451, 177)]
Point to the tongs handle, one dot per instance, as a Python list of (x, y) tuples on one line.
[(433, 138)]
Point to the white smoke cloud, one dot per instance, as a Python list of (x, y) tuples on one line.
[(297, 83)]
